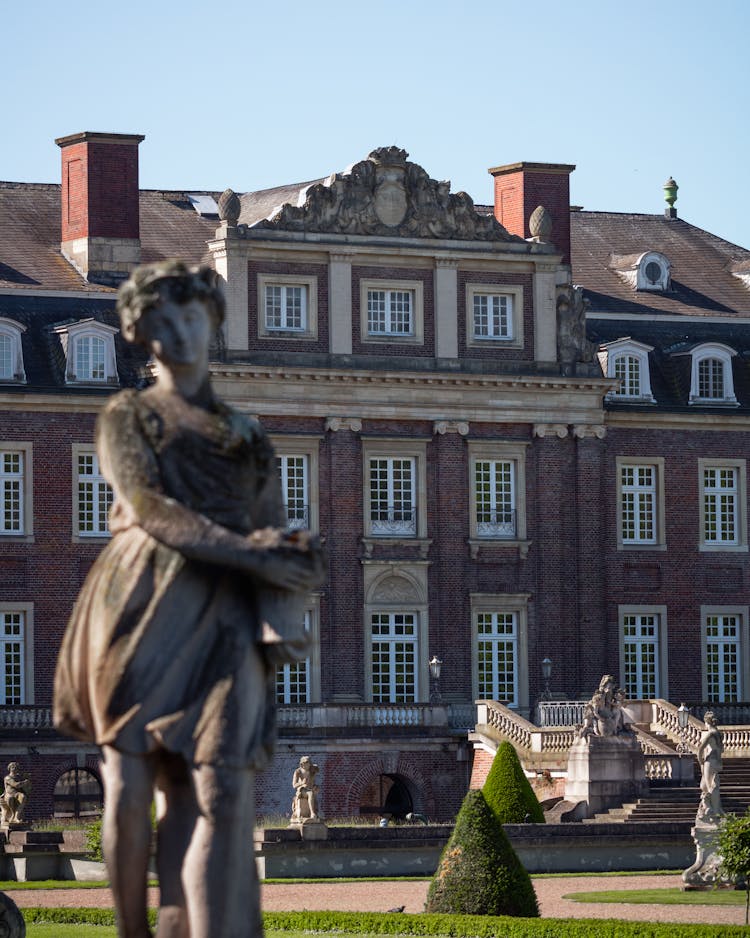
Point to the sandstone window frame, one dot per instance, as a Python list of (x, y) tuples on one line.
[(79, 339), (660, 643), (712, 354), (515, 339), (26, 640), (743, 645), (11, 352), (309, 448), (737, 544), (309, 285), (413, 287), (99, 484), (516, 604), (632, 357), (498, 451), (25, 499), (658, 541), (390, 448)]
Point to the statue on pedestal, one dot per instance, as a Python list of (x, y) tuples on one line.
[(16, 791), (603, 714), (169, 659), (305, 801)]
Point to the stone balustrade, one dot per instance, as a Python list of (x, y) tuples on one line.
[(25, 718)]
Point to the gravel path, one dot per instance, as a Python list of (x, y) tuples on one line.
[(374, 896)]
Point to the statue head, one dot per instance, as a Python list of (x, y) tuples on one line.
[(709, 718), (608, 684), (171, 280), (13, 769)]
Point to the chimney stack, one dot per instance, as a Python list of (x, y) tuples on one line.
[(100, 225), (520, 188)]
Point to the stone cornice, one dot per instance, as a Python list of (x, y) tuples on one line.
[(696, 421)]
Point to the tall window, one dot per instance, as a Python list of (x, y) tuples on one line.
[(394, 657), (295, 490), (12, 492), (493, 316), (285, 307), (393, 496), (495, 498), (641, 655), (6, 356), (12, 628), (723, 682), (497, 656), (638, 504), (711, 378), (720, 505), (293, 679), (90, 358), (390, 312), (94, 497), (628, 372), (11, 354)]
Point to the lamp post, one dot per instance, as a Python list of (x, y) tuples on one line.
[(435, 666), (546, 674), (683, 718)]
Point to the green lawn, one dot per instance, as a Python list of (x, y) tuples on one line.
[(662, 896)]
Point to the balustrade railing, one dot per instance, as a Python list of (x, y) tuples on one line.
[(457, 717), (26, 718), (560, 712)]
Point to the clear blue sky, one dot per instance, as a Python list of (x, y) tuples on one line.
[(252, 95)]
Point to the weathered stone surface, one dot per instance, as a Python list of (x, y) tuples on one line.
[(12, 924)]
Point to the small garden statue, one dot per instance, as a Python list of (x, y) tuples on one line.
[(16, 791), (305, 801), (170, 655), (603, 715), (709, 754)]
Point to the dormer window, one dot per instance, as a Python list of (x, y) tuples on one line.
[(89, 352), (653, 272), (627, 360), (11, 354), (711, 375)]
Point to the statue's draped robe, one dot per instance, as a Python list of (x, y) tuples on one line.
[(162, 651)]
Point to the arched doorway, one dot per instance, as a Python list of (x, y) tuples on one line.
[(388, 796), (78, 793)]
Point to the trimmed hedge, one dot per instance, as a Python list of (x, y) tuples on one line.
[(451, 926), (479, 872), (508, 792)]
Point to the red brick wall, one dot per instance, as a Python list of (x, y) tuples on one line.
[(518, 193)]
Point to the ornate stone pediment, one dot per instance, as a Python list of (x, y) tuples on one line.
[(389, 196)]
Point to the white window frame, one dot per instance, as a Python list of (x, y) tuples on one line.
[(494, 452), (309, 286), (413, 287), (661, 644), (26, 611), (391, 643), (743, 657), (641, 494), (645, 283), (738, 543), (628, 350), (514, 294), (503, 604), (12, 331), (722, 354), (396, 449), (71, 333), (24, 451), (99, 484), (286, 673), (306, 447)]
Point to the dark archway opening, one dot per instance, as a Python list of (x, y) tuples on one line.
[(387, 796), (78, 793)]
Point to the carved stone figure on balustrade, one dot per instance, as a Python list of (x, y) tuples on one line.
[(305, 801), (603, 714), (572, 344)]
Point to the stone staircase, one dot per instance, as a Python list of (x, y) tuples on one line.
[(679, 805)]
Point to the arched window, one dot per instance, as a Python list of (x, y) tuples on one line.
[(627, 360), (711, 375), (89, 348), (653, 272), (11, 356), (78, 793), (89, 358), (628, 372), (711, 378)]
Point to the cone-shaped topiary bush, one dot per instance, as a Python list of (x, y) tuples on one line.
[(479, 872), (508, 791)]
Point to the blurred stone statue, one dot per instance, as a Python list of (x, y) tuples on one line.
[(709, 754), (603, 714), (169, 658), (16, 791), (305, 801)]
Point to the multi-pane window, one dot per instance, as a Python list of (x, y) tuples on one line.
[(390, 312), (497, 656), (12, 625), (285, 307), (393, 496), (6, 356), (293, 679), (628, 372), (11, 492), (495, 497), (720, 505), (641, 655), (493, 316), (90, 358), (711, 379), (638, 504), (94, 497), (295, 490), (394, 657), (723, 658)]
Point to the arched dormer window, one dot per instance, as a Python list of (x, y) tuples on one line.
[(627, 360), (653, 272), (711, 379), (11, 353), (89, 348)]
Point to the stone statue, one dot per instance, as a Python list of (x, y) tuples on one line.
[(305, 801), (572, 344), (168, 662), (16, 791), (603, 714), (709, 753)]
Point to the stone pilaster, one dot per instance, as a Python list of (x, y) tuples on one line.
[(230, 259), (446, 307), (340, 303), (545, 313)]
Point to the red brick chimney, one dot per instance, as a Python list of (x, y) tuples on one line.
[(100, 228), (522, 187)]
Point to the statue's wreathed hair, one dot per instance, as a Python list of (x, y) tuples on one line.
[(172, 280)]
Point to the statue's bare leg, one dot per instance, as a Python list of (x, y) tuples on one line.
[(177, 812), (220, 881), (126, 836)]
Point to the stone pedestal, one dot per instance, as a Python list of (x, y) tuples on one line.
[(310, 829), (704, 873), (604, 772)]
